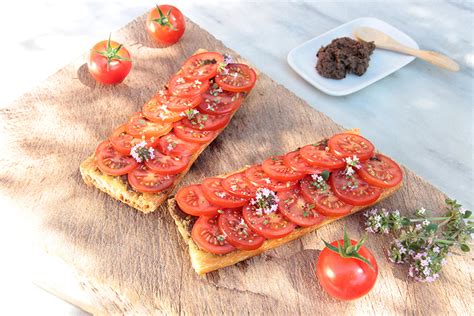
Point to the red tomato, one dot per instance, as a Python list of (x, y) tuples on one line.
[(146, 180), (207, 236), (215, 193), (296, 209), (177, 104), (236, 78), (217, 101), (348, 145), (276, 169), (112, 162), (157, 112), (164, 164), (238, 234), (294, 161), (319, 156), (238, 185), (139, 126), (172, 145), (381, 171), (165, 24), (109, 62), (186, 88), (123, 142), (354, 190), (191, 200), (193, 135), (346, 278), (270, 226), (259, 178), (324, 199), (202, 66), (207, 122)]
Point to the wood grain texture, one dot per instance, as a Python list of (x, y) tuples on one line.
[(110, 259)]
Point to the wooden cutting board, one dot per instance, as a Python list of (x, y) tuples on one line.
[(108, 258)]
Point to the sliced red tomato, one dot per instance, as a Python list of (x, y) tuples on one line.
[(145, 180), (324, 199), (217, 101), (139, 126), (296, 209), (157, 112), (294, 161), (202, 66), (206, 122), (207, 236), (238, 185), (236, 78), (237, 232), (191, 200), (172, 145), (111, 162), (348, 145), (185, 88), (275, 167), (164, 164), (353, 190), (192, 135), (123, 142), (215, 193), (259, 178), (177, 104), (381, 171), (318, 155), (270, 226)]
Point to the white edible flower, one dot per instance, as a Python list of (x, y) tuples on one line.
[(140, 152), (436, 249), (462, 211), (220, 194), (265, 201), (426, 222), (197, 82), (180, 80), (170, 147)]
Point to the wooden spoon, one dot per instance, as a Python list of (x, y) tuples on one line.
[(382, 40)]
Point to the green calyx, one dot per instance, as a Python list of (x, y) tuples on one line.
[(111, 53), (347, 250), (164, 20)]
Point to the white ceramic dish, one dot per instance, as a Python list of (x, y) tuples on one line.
[(382, 63)]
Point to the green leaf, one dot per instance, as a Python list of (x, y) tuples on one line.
[(467, 214), (432, 227), (159, 11), (169, 12), (325, 174), (465, 247), (405, 221), (361, 242), (331, 247), (347, 240), (359, 257)]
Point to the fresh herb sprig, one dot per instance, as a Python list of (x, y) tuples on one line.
[(423, 242)]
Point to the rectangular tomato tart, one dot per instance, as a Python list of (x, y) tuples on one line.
[(229, 218), (144, 159)]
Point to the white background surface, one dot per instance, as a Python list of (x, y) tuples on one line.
[(422, 116)]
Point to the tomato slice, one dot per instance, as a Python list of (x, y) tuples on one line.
[(259, 178), (175, 103), (296, 209), (207, 236), (324, 199), (238, 185), (164, 164), (192, 135), (157, 112), (215, 193), (185, 88), (111, 162), (191, 200), (270, 226), (172, 145), (353, 190), (139, 126), (207, 122), (145, 180), (237, 232), (217, 101), (381, 171), (236, 78), (318, 155), (294, 161), (123, 142), (202, 66), (275, 167), (348, 145)]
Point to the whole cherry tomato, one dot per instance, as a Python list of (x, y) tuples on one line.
[(165, 24)]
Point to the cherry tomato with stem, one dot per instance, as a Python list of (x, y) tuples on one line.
[(165, 24)]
